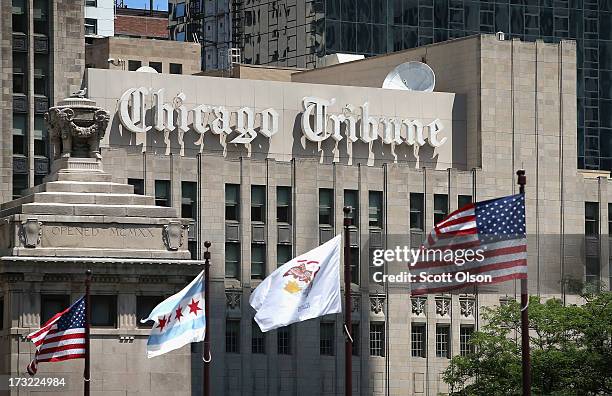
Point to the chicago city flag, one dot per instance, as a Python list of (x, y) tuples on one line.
[(179, 320), (304, 288)]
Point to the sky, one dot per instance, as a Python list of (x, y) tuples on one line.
[(158, 4)]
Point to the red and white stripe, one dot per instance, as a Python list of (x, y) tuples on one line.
[(503, 260)]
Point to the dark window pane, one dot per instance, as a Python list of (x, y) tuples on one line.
[(162, 193), (332, 36), (156, 65), (516, 20), (232, 202), (258, 204), (52, 304), (283, 206), (348, 11), (176, 68), (232, 336), (411, 12), (463, 200), (379, 39), (410, 37), (379, 11), (138, 185), (332, 9), (377, 339), (364, 38), (472, 16), (284, 254), (189, 200), (351, 198), (327, 339), (502, 18), (232, 260), (591, 218), (144, 306), (416, 211), (258, 261), (133, 65), (349, 41), (395, 12), (326, 206), (258, 340), (375, 209), (104, 311), (284, 340), (364, 12), (441, 14), (440, 207)]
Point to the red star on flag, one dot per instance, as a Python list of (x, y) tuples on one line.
[(179, 314), (193, 307), (162, 323)]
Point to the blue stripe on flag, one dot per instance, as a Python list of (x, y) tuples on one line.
[(177, 331)]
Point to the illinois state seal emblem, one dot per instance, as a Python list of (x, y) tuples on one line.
[(300, 276)]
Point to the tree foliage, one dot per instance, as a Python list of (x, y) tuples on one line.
[(571, 350)]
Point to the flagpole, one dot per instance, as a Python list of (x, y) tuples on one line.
[(348, 350), (525, 359), (206, 352), (86, 373)]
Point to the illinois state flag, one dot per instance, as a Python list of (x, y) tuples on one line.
[(179, 320), (304, 288)]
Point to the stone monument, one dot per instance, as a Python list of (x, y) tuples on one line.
[(79, 219)]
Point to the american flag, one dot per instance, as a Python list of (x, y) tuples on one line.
[(496, 227), (61, 338)]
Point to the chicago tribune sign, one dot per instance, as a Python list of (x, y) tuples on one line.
[(244, 124)]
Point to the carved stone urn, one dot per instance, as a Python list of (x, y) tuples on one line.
[(76, 127)]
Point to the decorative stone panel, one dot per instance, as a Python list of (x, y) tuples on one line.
[(419, 306), (377, 305), (443, 307), (30, 232), (467, 306)]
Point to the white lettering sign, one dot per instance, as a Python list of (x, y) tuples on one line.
[(317, 124)]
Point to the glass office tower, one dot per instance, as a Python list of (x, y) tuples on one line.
[(374, 27)]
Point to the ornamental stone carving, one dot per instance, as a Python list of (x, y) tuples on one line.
[(30, 232), (76, 127), (232, 299), (443, 306), (419, 305), (355, 302), (173, 235), (377, 304), (467, 306)]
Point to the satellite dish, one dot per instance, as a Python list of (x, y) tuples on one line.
[(146, 69), (411, 76)]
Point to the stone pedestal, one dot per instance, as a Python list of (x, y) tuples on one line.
[(74, 166)]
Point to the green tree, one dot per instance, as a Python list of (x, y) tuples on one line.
[(571, 350)]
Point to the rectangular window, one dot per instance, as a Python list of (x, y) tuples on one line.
[(232, 202), (258, 340), (20, 21), (189, 199), (375, 209), (355, 265), (162, 192), (91, 3), (232, 336), (465, 334), (1, 313), (355, 335), (41, 16), (192, 246), (283, 205), (592, 270), (232, 260), (284, 340), (610, 223), (463, 200), (351, 198), (20, 183), (326, 206), (442, 341), (138, 185), (144, 306), (284, 254), (326, 342), (156, 65), (258, 261), (40, 136), (418, 340), (440, 207), (133, 65), (377, 339), (91, 26), (258, 204), (417, 207), (20, 66), (591, 218), (50, 304), (176, 68), (20, 141), (41, 72), (104, 311)]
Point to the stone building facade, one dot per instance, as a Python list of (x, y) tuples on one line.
[(43, 58), (265, 191)]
